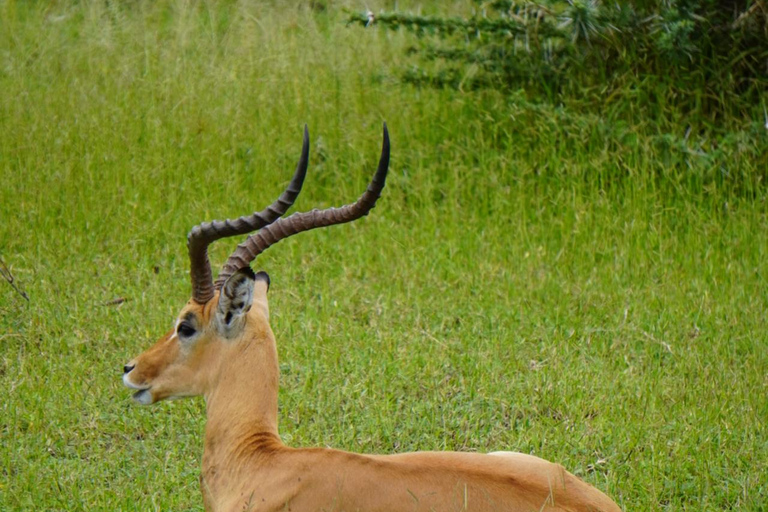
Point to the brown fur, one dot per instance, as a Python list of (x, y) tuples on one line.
[(247, 467)]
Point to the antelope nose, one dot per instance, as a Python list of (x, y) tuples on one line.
[(127, 368)]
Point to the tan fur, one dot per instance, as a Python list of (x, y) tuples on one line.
[(247, 467)]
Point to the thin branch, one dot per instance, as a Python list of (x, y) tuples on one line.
[(6, 273)]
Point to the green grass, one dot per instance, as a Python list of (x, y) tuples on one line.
[(578, 287)]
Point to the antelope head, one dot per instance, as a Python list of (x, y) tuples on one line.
[(184, 361)]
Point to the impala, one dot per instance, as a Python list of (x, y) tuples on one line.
[(222, 348)]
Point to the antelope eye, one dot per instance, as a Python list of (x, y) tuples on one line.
[(186, 330)]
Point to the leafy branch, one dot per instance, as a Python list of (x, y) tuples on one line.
[(708, 55)]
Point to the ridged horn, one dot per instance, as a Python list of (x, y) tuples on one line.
[(257, 243), (202, 235)]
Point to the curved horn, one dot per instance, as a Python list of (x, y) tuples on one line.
[(257, 243), (202, 235)]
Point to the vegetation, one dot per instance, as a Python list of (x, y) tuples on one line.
[(701, 62), (584, 284)]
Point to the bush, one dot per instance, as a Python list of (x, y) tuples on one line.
[(704, 60)]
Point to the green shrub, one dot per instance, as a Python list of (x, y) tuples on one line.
[(704, 61)]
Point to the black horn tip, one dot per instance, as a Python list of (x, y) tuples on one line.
[(305, 142), (301, 167), (381, 172), (385, 142)]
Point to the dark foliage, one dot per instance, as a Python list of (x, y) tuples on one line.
[(705, 60)]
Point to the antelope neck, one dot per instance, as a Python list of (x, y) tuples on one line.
[(241, 402)]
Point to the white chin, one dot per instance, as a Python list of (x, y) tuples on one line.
[(144, 397)]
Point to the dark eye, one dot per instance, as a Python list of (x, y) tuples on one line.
[(185, 330)]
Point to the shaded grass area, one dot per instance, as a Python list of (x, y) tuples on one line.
[(587, 291)]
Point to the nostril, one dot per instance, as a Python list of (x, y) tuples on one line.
[(127, 368)]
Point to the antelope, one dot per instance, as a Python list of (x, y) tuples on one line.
[(222, 347)]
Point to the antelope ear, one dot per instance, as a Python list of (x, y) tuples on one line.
[(260, 289), (235, 301)]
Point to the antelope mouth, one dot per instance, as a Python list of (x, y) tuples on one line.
[(143, 396)]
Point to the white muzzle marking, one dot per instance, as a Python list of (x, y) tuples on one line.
[(143, 395)]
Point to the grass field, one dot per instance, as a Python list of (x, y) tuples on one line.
[(586, 289)]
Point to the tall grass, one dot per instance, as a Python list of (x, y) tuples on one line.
[(532, 280)]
